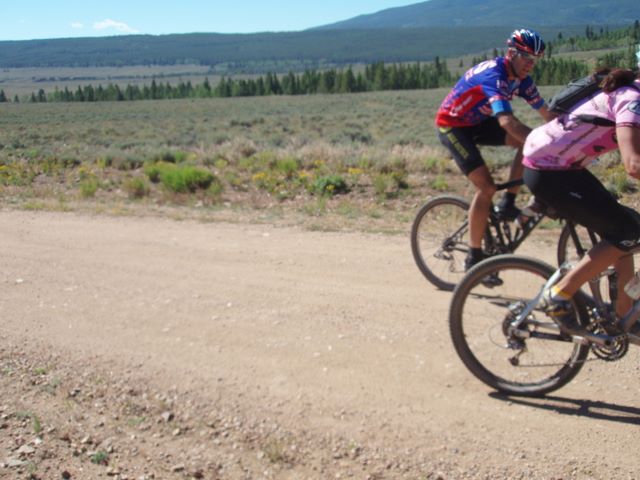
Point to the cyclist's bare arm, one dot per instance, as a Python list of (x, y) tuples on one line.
[(546, 114), (517, 130), (629, 144)]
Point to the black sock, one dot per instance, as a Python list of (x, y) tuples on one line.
[(475, 253)]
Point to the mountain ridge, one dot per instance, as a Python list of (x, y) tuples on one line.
[(269, 51), (457, 13)]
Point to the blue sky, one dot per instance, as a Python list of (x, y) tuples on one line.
[(33, 19)]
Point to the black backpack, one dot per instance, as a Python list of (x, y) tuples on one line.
[(576, 91)]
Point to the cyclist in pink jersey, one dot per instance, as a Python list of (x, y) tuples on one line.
[(555, 157), (478, 111)]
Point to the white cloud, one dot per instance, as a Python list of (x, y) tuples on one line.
[(112, 24), (76, 25)]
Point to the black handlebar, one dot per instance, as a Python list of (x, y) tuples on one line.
[(507, 185)]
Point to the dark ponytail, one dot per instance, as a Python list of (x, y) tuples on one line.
[(615, 78)]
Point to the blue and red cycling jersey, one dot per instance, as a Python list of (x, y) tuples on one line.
[(484, 91)]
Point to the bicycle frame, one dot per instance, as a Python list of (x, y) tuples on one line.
[(584, 338), (508, 241)]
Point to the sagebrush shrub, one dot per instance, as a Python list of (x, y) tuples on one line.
[(330, 185), (136, 187), (186, 179)]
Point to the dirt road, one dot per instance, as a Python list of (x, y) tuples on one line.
[(184, 350)]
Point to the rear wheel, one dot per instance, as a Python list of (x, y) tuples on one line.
[(534, 358)]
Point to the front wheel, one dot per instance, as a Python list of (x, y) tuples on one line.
[(439, 240), (532, 359)]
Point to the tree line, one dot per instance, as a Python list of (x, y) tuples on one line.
[(375, 77)]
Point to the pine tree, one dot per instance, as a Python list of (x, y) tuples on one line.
[(90, 93), (79, 96)]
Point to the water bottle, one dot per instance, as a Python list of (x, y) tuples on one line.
[(632, 288)]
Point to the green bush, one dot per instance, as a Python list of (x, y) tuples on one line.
[(330, 185), (170, 156), (216, 188), (136, 187), (390, 184), (152, 170), (88, 187), (179, 179), (440, 183), (436, 165), (287, 166), (19, 174), (186, 179), (127, 164), (100, 458)]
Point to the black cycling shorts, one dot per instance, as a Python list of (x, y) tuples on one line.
[(463, 142), (581, 197)]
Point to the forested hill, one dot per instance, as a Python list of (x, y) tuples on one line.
[(475, 13), (418, 32), (261, 52)]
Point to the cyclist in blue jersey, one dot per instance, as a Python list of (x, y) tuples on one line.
[(478, 111)]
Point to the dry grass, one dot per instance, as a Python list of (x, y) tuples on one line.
[(269, 155)]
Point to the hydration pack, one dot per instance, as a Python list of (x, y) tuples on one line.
[(574, 93)]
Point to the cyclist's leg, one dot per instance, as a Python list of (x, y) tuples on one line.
[(591, 265), (491, 133), (462, 146), (579, 195), (516, 165), (480, 205), (625, 269)]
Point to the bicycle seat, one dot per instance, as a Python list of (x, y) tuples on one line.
[(536, 205)]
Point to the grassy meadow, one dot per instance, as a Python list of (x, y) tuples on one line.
[(325, 161)]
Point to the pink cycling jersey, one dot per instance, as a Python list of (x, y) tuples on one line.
[(569, 143)]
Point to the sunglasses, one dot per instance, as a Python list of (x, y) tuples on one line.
[(528, 57)]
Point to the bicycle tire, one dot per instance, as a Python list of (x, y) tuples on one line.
[(478, 313), (439, 240)]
